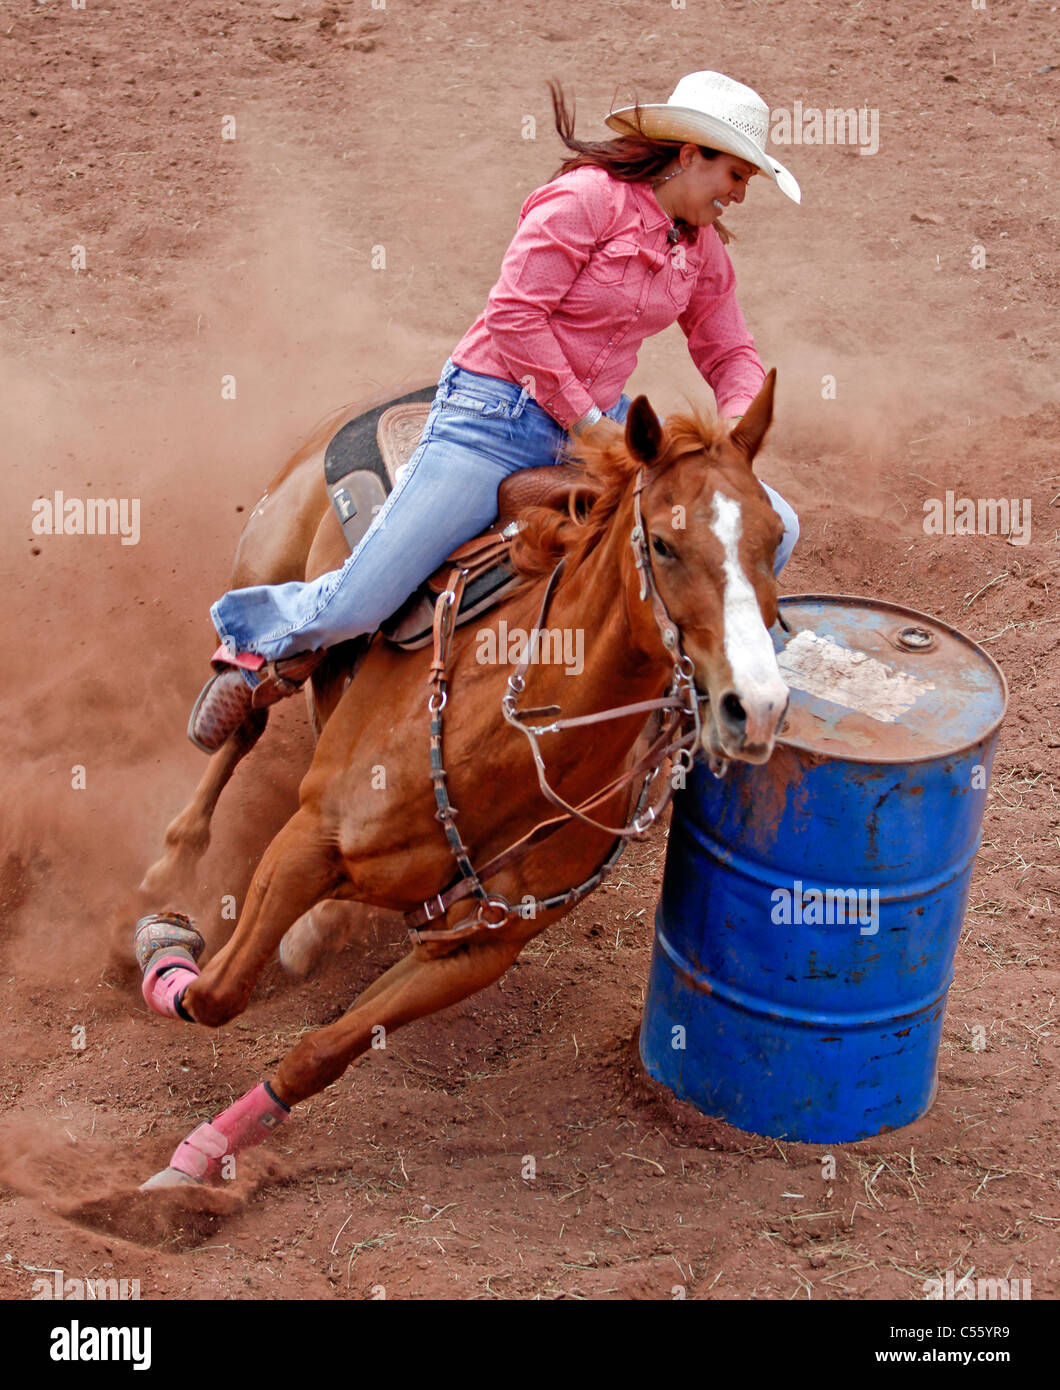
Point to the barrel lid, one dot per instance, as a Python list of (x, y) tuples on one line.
[(878, 683)]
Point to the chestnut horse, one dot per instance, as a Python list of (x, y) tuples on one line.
[(701, 565)]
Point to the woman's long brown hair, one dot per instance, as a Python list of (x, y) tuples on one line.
[(629, 158)]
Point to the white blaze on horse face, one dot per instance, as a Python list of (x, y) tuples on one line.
[(756, 679)]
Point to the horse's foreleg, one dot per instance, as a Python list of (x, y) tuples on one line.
[(413, 988), (416, 986), (300, 867), (188, 836), (408, 990)]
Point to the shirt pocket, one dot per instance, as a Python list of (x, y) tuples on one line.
[(609, 264), (680, 280)]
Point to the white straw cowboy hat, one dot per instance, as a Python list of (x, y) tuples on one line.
[(708, 108)]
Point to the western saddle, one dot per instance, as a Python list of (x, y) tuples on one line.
[(361, 471)]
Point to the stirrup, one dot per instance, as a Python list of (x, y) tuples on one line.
[(284, 677)]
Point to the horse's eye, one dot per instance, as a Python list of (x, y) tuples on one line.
[(661, 548)]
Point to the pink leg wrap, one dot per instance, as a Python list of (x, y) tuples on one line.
[(161, 992), (250, 1120)]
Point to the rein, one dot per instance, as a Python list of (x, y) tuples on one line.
[(678, 739)]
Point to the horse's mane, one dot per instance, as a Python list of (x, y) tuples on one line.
[(550, 533)]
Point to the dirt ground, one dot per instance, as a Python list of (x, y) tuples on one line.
[(920, 280)]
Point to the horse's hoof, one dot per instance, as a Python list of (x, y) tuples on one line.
[(170, 1177), (301, 946), (324, 928), (166, 931)]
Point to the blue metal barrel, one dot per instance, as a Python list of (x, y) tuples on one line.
[(811, 907)]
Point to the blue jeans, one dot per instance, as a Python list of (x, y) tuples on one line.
[(479, 430)]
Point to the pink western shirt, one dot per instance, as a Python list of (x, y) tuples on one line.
[(588, 276)]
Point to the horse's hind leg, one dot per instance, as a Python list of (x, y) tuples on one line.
[(188, 836)]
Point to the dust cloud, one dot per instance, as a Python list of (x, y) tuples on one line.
[(108, 643)]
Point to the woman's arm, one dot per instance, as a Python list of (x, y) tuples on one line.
[(718, 340), (561, 225)]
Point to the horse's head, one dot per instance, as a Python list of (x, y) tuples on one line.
[(712, 537)]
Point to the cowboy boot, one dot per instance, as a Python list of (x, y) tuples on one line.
[(226, 699)]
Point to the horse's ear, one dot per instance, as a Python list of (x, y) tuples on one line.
[(747, 434), (643, 431)]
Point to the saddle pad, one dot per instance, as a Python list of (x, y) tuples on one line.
[(356, 475), (356, 444)]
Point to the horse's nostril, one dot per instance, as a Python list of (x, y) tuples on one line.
[(733, 710)]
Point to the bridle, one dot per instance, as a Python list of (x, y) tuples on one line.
[(678, 739)]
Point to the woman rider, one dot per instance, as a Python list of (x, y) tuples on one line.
[(621, 242)]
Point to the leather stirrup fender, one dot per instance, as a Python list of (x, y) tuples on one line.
[(284, 676)]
